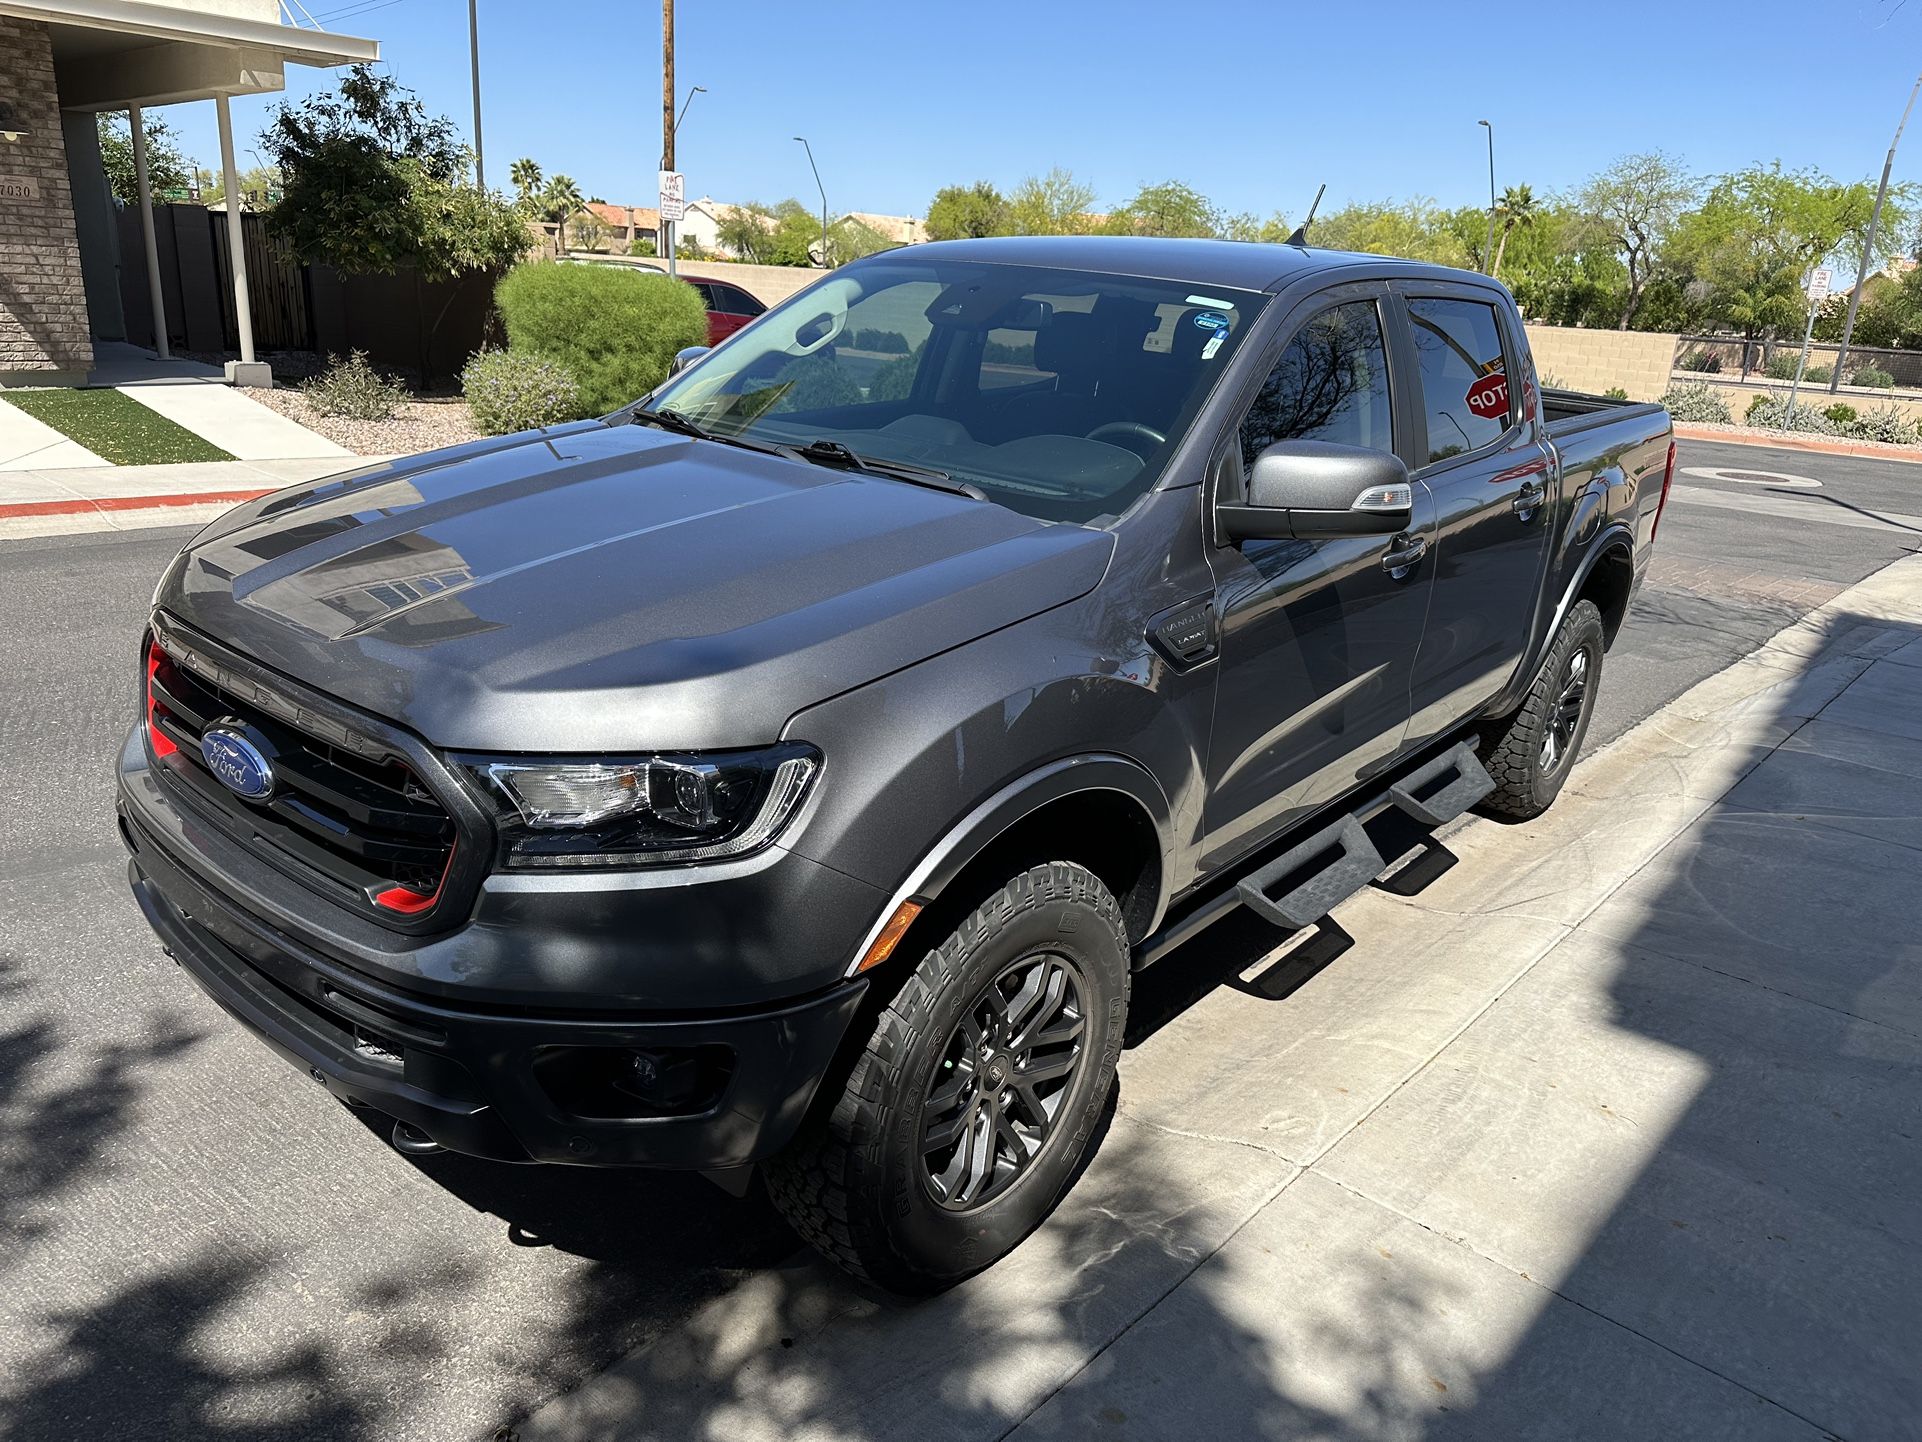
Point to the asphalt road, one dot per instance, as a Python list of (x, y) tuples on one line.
[(199, 1244)]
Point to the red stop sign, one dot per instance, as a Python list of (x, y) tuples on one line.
[(1488, 397)]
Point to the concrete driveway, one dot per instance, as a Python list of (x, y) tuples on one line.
[(1640, 1012)]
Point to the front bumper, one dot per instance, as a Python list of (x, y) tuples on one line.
[(481, 1078)]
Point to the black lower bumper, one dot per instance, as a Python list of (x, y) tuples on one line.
[(515, 1086)]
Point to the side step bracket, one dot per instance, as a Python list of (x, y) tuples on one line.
[(1463, 781), (1327, 868)]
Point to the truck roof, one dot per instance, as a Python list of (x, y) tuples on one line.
[(1245, 265)]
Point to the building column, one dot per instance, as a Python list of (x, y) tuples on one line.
[(138, 126), (246, 371)]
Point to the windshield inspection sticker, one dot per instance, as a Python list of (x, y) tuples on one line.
[(1211, 320)]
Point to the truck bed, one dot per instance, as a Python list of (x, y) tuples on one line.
[(1569, 412)]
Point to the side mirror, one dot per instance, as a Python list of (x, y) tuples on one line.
[(1302, 490), (685, 357)]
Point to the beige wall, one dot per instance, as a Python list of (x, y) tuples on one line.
[(770, 284), (1739, 394), (43, 304), (1593, 360)]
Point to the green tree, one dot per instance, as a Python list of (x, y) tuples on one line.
[(526, 177), (1634, 204), (374, 183), (1244, 225), (560, 199), (1415, 229), (167, 168), (747, 232), (1516, 210), (966, 212), (1051, 204), (590, 231), (1171, 208)]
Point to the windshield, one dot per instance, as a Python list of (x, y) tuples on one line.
[(1057, 393)]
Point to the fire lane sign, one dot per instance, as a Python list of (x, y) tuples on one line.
[(673, 195)]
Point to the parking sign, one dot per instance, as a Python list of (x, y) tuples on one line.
[(673, 195)]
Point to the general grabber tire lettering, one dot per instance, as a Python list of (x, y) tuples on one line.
[(978, 1094), (1532, 755)]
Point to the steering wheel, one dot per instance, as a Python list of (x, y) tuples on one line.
[(1128, 433)]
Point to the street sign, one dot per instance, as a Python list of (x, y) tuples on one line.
[(673, 195), (1819, 287), (1488, 397)]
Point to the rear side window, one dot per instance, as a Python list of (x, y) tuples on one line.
[(731, 301), (1330, 384), (1464, 380)]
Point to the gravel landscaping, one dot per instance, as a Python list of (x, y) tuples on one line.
[(419, 425), (1759, 433)]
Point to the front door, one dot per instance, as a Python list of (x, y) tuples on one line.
[(1318, 638), (1489, 475)]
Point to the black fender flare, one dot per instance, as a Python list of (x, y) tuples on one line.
[(969, 837)]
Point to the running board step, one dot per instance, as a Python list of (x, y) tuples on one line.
[(1322, 871), (1468, 783)]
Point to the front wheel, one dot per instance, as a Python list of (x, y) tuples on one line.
[(977, 1096), (1532, 755)]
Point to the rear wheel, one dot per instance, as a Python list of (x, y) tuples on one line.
[(1534, 752), (977, 1096)]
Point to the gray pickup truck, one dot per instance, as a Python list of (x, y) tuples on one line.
[(787, 773)]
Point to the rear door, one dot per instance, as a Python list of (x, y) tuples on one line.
[(1318, 637), (1487, 468)]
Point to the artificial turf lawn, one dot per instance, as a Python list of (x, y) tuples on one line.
[(115, 427)]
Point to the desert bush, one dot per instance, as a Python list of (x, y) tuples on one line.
[(1616, 393), (353, 390), (641, 246), (1874, 377), (1696, 403), (507, 392), (1772, 413), (1885, 423), (1704, 362), (614, 330), (1781, 365), (1841, 413), (1818, 375)]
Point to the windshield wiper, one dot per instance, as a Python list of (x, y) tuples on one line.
[(834, 454), (674, 421)]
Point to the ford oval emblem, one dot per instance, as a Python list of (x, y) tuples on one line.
[(237, 759)]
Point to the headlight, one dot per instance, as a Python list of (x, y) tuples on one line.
[(651, 811)]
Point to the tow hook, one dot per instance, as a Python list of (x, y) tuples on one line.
[(411, 1141)]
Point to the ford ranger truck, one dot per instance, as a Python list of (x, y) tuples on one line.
[(786, 774)]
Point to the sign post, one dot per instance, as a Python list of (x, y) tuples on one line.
[(1818, 292), (673, 193)]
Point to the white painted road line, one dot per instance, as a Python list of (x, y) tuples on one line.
[(1822, 510)]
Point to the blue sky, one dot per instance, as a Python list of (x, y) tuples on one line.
[(1254, 104)]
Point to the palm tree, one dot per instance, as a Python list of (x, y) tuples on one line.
[(1517, 209), (525, 173), (559, 200)]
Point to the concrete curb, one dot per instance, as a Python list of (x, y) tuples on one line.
[(1907, 454), (84, 507)]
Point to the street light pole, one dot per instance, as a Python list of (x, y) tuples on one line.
[(1488, 250), (825, 262), (1868, 243), (473, 55)]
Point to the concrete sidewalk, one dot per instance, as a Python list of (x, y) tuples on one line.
[(96, 498), (1610, 1130)]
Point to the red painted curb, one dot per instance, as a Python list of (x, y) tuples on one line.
[(81, 507), (1801, 443)]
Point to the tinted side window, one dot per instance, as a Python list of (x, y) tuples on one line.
[(1463, 378), (1330, 384), (732, 301)]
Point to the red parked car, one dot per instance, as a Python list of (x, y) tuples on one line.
[(728, 308)]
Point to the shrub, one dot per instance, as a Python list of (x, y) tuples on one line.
[(1885, 423), (353, 390), (1841, 413), (507, 392), (615, 330), (1705, 362), (1616, 393), (1772, 413), (1781, 366), (1874, 377), (1697, 403), (1818, 375), (641, 246)]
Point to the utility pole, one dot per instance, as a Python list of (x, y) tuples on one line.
[(826, 262), (473, 55), (1488, 250), (667, 117), (1868, 242)]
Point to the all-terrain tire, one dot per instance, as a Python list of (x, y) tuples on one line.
[(856, 1182), (1532, 753)]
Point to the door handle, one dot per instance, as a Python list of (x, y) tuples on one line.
[(1402, 554), (1528, 501)]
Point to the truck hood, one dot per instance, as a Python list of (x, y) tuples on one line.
[(602, 588)]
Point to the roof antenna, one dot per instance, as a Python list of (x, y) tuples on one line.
[(1300, 236)]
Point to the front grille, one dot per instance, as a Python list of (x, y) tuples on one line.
[(352, 822)]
